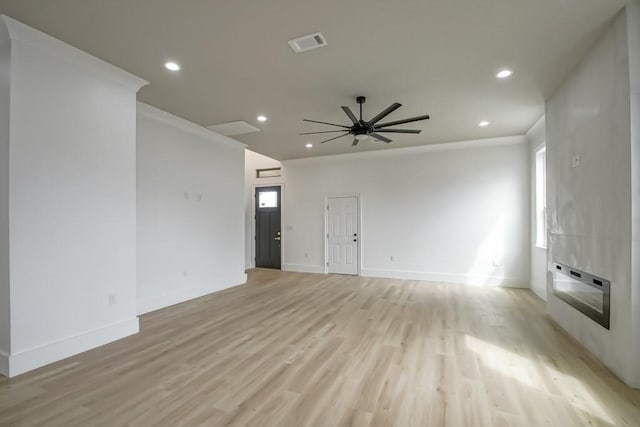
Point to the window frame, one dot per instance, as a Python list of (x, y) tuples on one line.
[(275, 200), (540, 193), (269, 173)]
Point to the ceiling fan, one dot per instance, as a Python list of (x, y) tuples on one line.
[(361, 129)]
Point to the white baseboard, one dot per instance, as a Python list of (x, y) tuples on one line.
[(31, 359), (162, 301), (509, 282), (300, 268), (4, 364), (542, 295)]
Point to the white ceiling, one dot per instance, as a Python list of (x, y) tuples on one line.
[(434, 56)]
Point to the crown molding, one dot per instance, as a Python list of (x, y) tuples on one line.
[(446, 146), (21, 33), (187, 126)]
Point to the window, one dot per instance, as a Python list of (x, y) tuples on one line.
[(268, 199), (541, 197), (268, 173)]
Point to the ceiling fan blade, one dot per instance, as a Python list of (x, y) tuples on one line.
[(349, 113), (324, 131), (398, 130), (340, 136), (326, 123), (355, 142), (380, 137), (390, 109), (399, 122)]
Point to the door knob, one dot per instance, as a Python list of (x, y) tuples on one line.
[(276, 238)]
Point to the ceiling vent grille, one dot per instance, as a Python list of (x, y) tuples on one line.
[(233, 128), (309, 42)]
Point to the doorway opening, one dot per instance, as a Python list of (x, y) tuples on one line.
[(268, 233), (342, 225)]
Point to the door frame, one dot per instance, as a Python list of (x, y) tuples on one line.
[(253, 221), (326, 228)]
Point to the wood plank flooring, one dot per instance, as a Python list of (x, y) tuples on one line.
[(294, 349)]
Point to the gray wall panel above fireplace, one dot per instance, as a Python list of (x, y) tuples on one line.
[(589, 191)]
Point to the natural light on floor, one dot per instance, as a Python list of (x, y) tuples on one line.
[(527, 372)]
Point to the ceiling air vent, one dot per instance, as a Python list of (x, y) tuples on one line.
[(309, 42), (233, 128)]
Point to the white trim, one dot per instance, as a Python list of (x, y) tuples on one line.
[(539, 146), (539, 292), (22, 33), (540, 153), (446, 146), (300, 268), (450, 278), (536, 133), (169, 119), (463, 279), (162, 301), (4, 364), (326, 229), (33, 358), (252, 261)]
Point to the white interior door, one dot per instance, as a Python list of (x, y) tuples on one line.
[(342, 235)]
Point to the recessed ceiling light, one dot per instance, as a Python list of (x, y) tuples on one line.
[(484, 124), (309, 145), (262, 118), (172, 66), (503, 74)]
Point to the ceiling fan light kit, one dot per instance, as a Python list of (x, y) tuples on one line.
[(362, 129)]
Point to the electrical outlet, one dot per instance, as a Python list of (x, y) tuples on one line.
[(393, 258), (112, 299)]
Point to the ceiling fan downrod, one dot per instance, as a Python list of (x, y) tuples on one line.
[(361, 100)]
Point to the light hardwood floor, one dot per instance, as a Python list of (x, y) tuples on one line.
[(294, 349)]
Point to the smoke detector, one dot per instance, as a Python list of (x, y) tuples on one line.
[(304, 43)]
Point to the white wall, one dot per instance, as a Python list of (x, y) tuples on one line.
[(5, 323), (446, 212), (633, 30), (590, 206), (253, 161), (538, 280), (72, 200), (190, 210)]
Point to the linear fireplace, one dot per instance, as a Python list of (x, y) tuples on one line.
[(585, 292)]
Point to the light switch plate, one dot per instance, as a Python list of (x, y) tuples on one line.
[(575, 160)]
